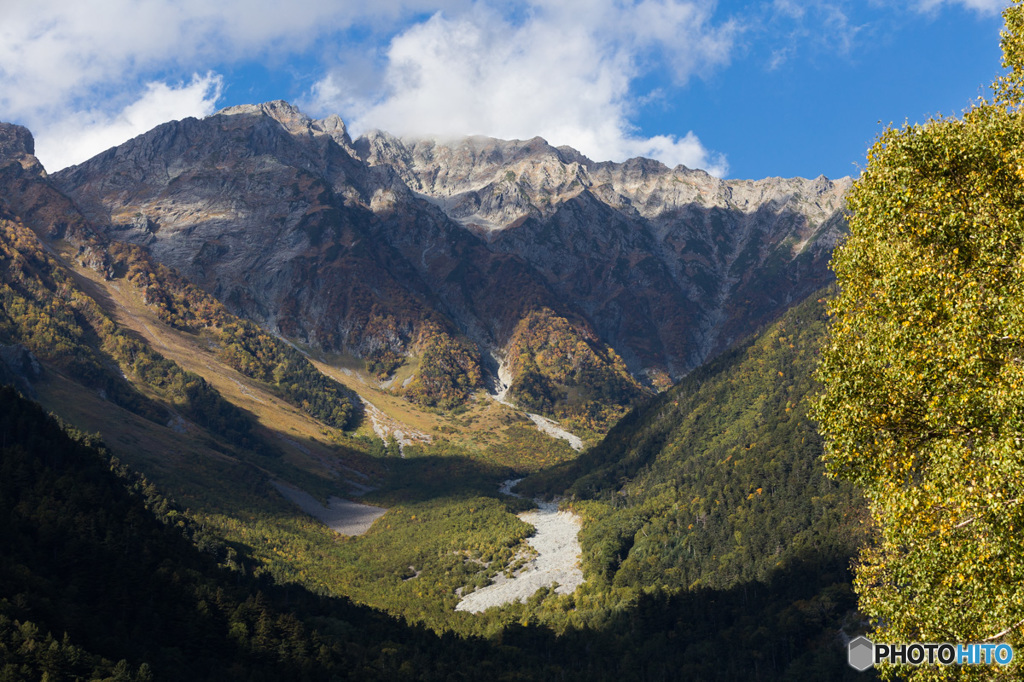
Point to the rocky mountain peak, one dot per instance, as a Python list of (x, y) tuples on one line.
[(294, 121), (288, 115), (381, 246), (639, 166), (16, 144), (490, 184), (380, 148), (335, 128)]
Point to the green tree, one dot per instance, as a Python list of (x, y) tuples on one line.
[(923, 398)]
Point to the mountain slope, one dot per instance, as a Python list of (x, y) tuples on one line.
[(718, 480), (300, 401), (384, 248)]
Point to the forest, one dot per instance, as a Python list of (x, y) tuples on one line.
[(562, 370), (108, 579)]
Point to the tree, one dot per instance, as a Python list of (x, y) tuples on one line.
[(923, 376)]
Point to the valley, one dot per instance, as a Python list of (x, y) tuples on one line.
[(328, 371)]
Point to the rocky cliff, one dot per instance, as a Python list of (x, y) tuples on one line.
[(443, 251), (670, 265)]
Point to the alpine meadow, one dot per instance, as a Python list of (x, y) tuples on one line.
[(280, 401)]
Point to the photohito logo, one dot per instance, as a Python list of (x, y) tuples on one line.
[(863, 653)]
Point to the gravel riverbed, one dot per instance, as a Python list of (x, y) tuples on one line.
[(557, 560), (341, 516)]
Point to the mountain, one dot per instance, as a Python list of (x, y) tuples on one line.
[(611, 237), (682, 553), (576, 285)]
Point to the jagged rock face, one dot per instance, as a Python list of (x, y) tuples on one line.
[(479, 181), (25, 193), (18, 148), (670, 265), (356, 245), (244, 205), (15, 142)]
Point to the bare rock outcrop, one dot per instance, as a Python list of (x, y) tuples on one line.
[(373, 246)]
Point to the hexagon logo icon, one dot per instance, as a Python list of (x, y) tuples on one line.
[(861, 653)]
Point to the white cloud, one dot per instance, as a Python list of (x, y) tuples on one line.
[(80, 72), (563, 73), (81, 136), (54, 51)]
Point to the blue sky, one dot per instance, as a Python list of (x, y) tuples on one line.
[(743, 89)]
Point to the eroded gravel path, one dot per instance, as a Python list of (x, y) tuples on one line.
[(544, 424), (553, 429), (341, 516)]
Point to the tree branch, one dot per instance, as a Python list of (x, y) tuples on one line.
[(1004, 632)]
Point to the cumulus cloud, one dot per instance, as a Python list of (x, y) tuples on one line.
[(88, 70), (77, 138), (80, 73), (564, 72), (53, 51)]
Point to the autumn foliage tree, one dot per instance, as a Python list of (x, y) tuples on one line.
[(923, 398)]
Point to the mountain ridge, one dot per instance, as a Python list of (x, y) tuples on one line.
[(372, 247), (138, 329)]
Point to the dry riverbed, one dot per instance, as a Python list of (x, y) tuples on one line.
[(557, 560), (341, 516)]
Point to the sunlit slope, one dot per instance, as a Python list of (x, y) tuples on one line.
[(217, 412), (719, 480)]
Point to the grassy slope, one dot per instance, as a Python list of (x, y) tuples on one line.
[(445, 521), (308, 443)]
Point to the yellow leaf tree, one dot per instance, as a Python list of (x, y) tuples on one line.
[(923, 376)]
